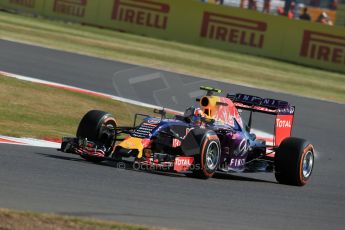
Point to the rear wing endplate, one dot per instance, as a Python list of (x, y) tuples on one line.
[(283, 111)]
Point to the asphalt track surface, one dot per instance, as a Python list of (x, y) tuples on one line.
[(43, 179)]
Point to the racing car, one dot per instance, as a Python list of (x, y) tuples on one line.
[(201, 141)]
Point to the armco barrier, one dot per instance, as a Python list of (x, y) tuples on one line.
[(209, 25)]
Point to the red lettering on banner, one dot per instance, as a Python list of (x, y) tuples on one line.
[(233, 29), (26, 3), (233, 36), (70, 7), (323, 47), (148, 13)]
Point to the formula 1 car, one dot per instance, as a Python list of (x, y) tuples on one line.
[(201, 141)]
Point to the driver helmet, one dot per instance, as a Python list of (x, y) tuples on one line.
[(198, 114)]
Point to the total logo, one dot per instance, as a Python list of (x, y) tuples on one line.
[(283, 123), (184, 160), (183, 163)]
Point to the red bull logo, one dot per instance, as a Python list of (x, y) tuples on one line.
[(323, 47), (147, 13), (25, 3), (233, 30), (70, 7)]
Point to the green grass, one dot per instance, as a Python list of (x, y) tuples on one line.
[(34, 110), (10, 219), (204, 62)]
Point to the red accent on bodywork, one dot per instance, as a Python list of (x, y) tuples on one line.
[(283, 128), (183, 164), (176, 143), (227, 113), (146, 143), (91, 152)]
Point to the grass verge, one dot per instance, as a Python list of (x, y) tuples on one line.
[(204, 62), (10, 219), (34, 110)]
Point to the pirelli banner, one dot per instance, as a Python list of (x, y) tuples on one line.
[(31, 6), (191, 21), (72, 10)]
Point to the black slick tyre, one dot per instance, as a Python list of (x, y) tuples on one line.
[(294, 161), (207, 161), (97, 126)]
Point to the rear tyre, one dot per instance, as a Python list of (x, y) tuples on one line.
[(294, 161), (207, 161), (99, 127)]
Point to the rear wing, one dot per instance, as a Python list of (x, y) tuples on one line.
[(283, 111)]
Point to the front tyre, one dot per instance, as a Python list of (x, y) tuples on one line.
[(99, 127), (207, 162), (294, 161)]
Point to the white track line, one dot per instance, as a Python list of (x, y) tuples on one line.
[(85, 91), (43, 143), (29, 142)]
